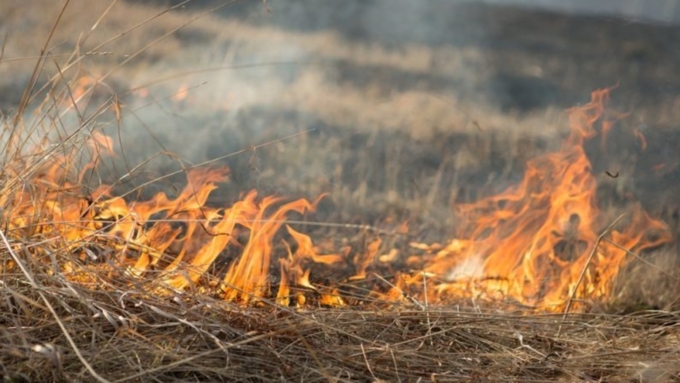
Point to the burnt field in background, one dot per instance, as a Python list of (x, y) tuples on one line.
[(404, 118), (489, 95)]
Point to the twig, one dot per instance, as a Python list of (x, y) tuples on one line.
[(427, 309), (396, 367), (639, 258), (583, 271), (368, 365)]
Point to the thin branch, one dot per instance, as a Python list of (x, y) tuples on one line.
[(585, 268)]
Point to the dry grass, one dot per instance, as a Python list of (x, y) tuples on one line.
[(126, 334), (649, 283), (117, 330), (52, 329)]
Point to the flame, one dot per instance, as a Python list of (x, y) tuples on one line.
[(174, 240), (141, 92), (531, 242), (82, 86), (535, 243), (181, 93)]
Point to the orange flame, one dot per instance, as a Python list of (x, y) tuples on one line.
[(51, 208), (181, 93), (530, 244), (82, 86)]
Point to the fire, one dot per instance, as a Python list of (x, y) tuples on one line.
[(535, 243), (181, 94), (83, 85), (51, 208), (532, 242)]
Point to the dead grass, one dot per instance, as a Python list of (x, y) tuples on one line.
[(127, 334), (649, 283)]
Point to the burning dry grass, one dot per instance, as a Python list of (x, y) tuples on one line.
[(535, 243), (99, 288), (105, 323)]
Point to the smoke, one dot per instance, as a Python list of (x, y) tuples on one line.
[(396, 107)]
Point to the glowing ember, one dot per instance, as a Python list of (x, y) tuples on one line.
[(529, 244)]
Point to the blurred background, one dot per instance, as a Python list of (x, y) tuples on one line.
[(658, 11), (399, 109)]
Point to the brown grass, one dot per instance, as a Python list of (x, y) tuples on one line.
[(126, 334)]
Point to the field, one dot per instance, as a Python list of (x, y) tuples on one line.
[(480, 218)]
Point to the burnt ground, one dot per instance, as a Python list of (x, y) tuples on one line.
[(408, 107)]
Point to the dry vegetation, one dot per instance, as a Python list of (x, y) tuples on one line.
[(383, 155), (131, 335)]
